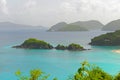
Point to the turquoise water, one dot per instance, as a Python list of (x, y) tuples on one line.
[(60, 64)]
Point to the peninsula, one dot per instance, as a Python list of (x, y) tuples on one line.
[(109, 39)]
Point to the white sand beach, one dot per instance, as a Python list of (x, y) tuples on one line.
[(116, 51)]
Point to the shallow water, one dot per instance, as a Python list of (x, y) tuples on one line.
[(60, 64)]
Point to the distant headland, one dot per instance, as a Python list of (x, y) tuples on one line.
[(77, 26), (109, 39)]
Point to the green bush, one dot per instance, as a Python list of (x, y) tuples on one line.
[(91, 72), (35, 74), (117, 77)]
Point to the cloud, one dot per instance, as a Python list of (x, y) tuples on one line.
[(103, 10), (36, 12), (92, 5), (3, 7), (30, 4), (49, 12)]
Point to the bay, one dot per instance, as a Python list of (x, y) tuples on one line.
[(57, 63)]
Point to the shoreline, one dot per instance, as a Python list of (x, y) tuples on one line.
[(116, 51)]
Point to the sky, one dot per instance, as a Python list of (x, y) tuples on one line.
[(50, 12)]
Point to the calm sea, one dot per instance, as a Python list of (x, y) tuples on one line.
[(57, 63)]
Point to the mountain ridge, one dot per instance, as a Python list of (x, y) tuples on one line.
[(112, 26), (77, 26), (15, 26)]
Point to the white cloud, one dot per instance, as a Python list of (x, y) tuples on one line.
[(91, 5), (3, 7), (30, 4), (49, 12), (103, 10)]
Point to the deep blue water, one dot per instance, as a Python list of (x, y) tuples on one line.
[(60, 64)]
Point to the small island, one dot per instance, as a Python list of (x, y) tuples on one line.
[(70, 47), (61, 47), (109, 39), (75, 47), (33, 43)]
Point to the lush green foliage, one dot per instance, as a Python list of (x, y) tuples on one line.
[(35, 74), (91, 72), (75, 47), (109, 39), (117, 77)]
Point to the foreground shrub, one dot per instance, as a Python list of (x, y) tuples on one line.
[(91, 72), (117, 77), (35, 74)]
